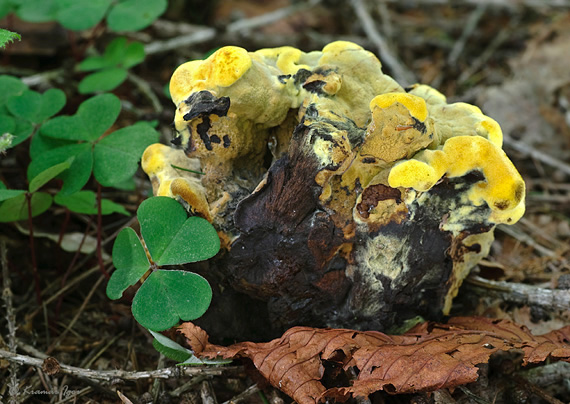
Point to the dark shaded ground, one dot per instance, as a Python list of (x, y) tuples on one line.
[(509, 57)]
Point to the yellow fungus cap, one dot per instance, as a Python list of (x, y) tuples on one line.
[(503, 189), (416, 105), (492, 130), (222, 69), (158, 163), (340, 46)]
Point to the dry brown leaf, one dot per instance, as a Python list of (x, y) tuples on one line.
[(427, 358)]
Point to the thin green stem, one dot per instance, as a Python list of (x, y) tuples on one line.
[(187, 169)]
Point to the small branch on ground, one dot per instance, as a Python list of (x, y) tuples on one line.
[(537, 154), (400, 72), (206, 34), (110, 375), (11, 320), (522, 294)]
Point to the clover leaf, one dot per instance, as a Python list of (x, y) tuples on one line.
[(113, 159), (15, 206), (169, 296), (133, 15), (111, 68), (172, 238)]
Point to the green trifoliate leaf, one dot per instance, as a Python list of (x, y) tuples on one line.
[(78, 15), (94, 116), (134, 54), (10, 86), (79, 172), (36, 107), (169, 348), (173, 239), (117, 155), (17, 208), (167, 297), (104, 80), (10, 193), (85, 202), (37, 10), (7, 124), (94, 63), (129, 257), (42, 144), (49, 174), (133, 15)]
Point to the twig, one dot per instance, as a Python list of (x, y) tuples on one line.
[(76, 317), (519, 235), (478, 63), (386, 22), (43, 77), (251, 390), (72, 283), (494, 3), (207, 394), (553, 373), (548, 198), (145, 88), (182, 41), (177, 392), (473, 396), (109, 375), (534, 389), (401, 73), (11, 320), (537, 154), (523, 294), (207, 34), (470, 26), (73, 397), (540, 232)]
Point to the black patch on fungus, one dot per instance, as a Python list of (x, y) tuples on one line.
[(202, 129), (312, 111), (301, 76), (315, 86), (177, 141), (283, 78), (204, 103), (215, 139), (227, 141), (369, 160), (419, 125)]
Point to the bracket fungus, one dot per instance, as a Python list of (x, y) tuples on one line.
[(341, 198)]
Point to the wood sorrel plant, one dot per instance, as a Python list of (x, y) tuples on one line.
[(170, 238)]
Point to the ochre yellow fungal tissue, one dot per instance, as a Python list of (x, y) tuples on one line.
[(343, 199)]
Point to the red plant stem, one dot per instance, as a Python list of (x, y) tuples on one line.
[(63, 227), (74, 48), (33, 250), (99, 231), (70, 267)]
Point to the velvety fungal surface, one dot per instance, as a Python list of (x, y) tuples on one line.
[(341, 198)]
